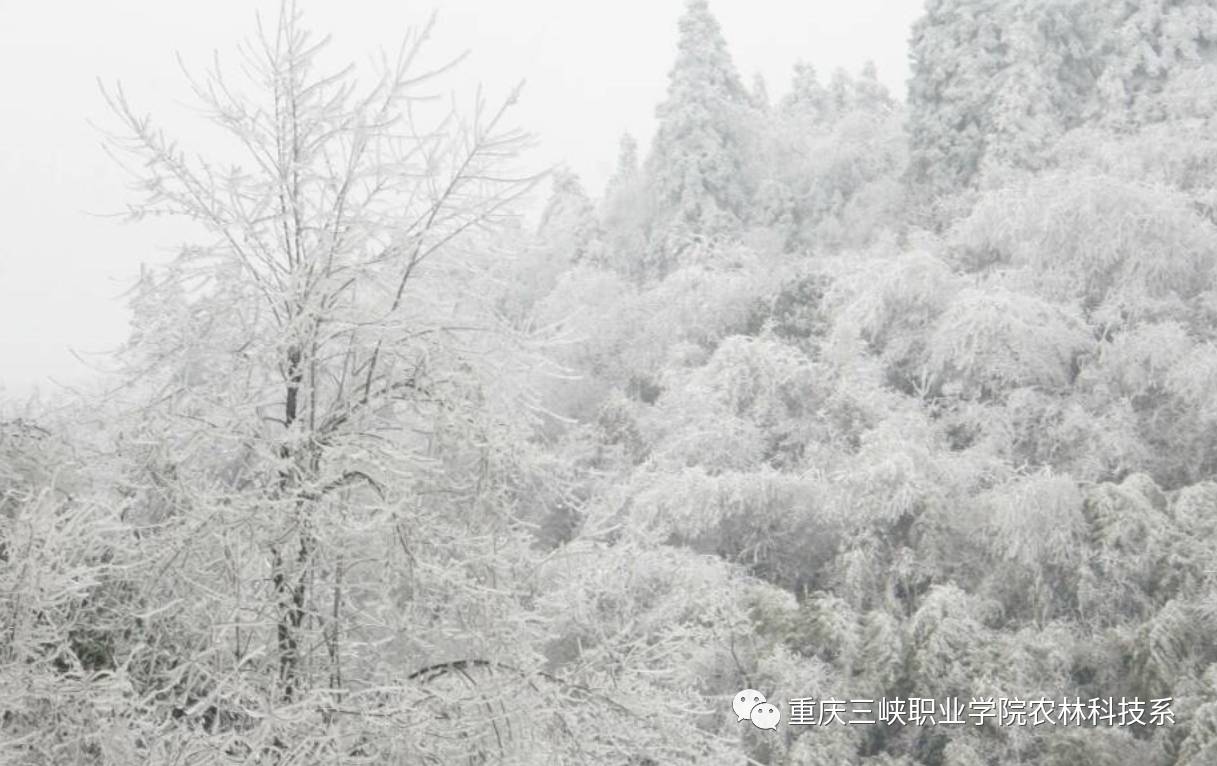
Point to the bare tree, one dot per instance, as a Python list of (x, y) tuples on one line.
[(309, 361)]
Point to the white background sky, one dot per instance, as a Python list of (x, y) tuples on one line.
[(593, 71)]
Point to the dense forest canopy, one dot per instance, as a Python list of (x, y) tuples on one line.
[(827, 394)]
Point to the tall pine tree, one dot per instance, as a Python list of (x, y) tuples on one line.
[(696, 162)]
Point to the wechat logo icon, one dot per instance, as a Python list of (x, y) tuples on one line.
[(751, 705)]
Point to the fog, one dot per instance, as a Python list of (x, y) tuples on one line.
[(592, 72)]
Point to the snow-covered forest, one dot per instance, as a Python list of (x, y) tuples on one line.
[(832, 392)]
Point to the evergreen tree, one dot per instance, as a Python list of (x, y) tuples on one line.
[(869, 93), (697, 162), (957, 51), (841, 90), (626, 212), (1047, 86), (807, 96), (568, 223), (626, 172), (760, 93)]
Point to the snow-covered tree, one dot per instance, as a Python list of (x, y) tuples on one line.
[(696, 165), (569, 223), (626, 171), (1150, 46), (869, 93), (807, 96), (626, 212), (957, 52), (325, 470), (760, 93), (1047, 85)]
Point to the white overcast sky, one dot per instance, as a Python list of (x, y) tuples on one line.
[(593, 71)]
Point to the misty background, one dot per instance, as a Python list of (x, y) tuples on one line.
[(593, 71)]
